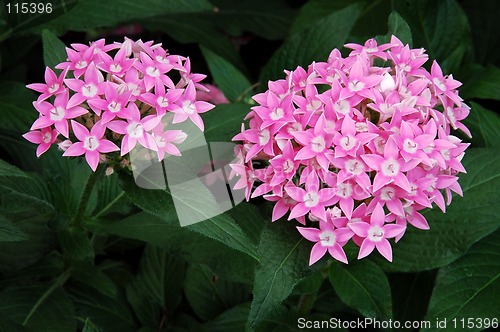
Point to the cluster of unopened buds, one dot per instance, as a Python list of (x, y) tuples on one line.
[(355, 147), (110, 98)]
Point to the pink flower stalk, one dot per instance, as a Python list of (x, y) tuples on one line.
[(116, 95), (348, 144)]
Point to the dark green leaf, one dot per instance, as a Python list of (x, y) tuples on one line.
[(469, 287), (76, 244), (9, 232), (438, 26), (220, 227), (399, 28), (229, 79), (113, 313), (283, 263), (54, 313), (183, 242), (94, 277), (224, 121), (312, 44), (91, 14), (54, 51), (466, 220), (485, 84), (268, 19), (157, 289), (234, 319), (23, 203), (364, 287), (210, 295), (90, 327), (484, 126), (196, 28)]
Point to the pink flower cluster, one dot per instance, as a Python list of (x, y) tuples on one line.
[(355, 147), (110, 97)]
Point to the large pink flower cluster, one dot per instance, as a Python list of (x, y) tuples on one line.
[(109, 98), (355, 147)]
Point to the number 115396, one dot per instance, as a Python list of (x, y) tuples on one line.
[(29, 7)]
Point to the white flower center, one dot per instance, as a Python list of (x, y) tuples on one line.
[(134, 88), (318, 144), (354, 167), (390, 167), (264, 137), (114, 106), (344, 190), (375, 234), (57, 113), (356, 86), (387, 194), (446, 154), (348, 142), (90, 143), (162, 59), (80, 64), (152, 71), (334, 212), (311, 199), (379, 144), (288, 166), (277, 114), (53, 88), (410, 146), (47, 137), (314, 105), (135, 130), (342, 107), (162, 101), (327, 238), (439, 83), (160, 141), (89, 90), (115, 68), (188, 107)]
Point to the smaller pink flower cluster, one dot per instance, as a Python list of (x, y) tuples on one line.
[(110, 95), (358, 145)]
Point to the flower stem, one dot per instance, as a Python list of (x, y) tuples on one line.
[(57, 283), (87, 191)]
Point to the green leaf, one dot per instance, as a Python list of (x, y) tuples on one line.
[(399, 28), (469, 287), (8, 325), (219, 227), (364, 287), (229, 79), (92, 276), (267, 19), (196, 28), (9, 232), (234, 319), (466, 220), (484, 83), (484, 126), (283, 264), (90, 327), (113, 313), (92, 14), (210, 295), (157, 289), (482, 15), (224, 121), (20, 22), (76, 244), (54, 50), (315, 10), (193, 247), (23, 203), (312, 44), (438, 26), (55, 313)]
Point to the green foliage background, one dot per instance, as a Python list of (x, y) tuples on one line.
[(121, 262)]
